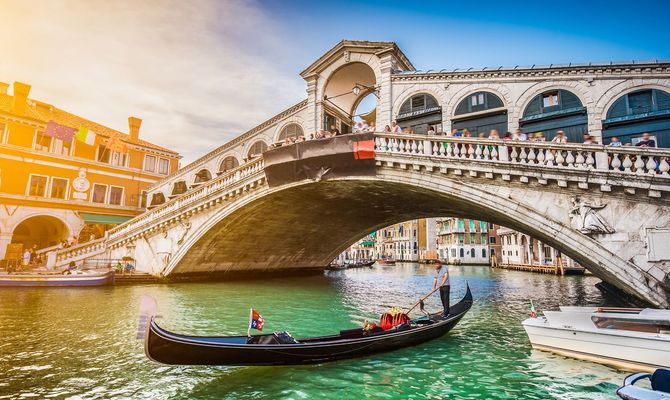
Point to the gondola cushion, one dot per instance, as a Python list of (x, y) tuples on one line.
[(660, 380)]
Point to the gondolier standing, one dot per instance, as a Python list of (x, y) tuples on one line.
[(444, 286)]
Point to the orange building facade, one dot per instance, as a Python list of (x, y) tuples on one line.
[(72, 181)]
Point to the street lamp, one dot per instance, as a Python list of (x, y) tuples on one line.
[(356, 90)]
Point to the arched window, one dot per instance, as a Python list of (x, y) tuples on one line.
[(157, 199), (419, 113), (257, 149), (484, 253), (202, 176), (290, 131), (462, 252), (490, 114), (631, 115), (476, 102), (555, 110), (228, 163), (472, 253), (178, 188)]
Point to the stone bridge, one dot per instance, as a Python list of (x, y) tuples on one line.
[(605, 207)]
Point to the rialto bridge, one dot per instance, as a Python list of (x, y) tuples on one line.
[(606, 207)]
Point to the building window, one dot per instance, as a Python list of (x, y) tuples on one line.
[(119, 159), (99, 193), (103, 154), (550, 99), (42, 142), (483, 239), (116, 195), (228, 163), (472, 253), (61, 148), (257, 149), (150, 163), (472, 238), (477, 99), (290, 131), (461, 239), (491, 226), (492, 239), (163, 166), (484, 253), (59, 188), (37, 186), (462, 252), (472, 226)]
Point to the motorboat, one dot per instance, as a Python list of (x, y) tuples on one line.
[(659, 389), (632, 339), (70, 278), (280, 348), (386, 261)]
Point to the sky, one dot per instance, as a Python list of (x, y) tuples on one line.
[(201, 72)]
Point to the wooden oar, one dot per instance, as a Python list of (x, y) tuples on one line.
[(421, 300)]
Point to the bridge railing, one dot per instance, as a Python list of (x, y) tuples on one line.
[(189, 198), (634, 160)]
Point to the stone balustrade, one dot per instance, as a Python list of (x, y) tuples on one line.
[(622, 160), (76, 253), (190, 199)]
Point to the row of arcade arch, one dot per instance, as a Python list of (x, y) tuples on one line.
[(639, 111), (632, 114)]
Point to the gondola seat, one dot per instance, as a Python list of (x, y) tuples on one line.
[(660, 380), (275, 338)]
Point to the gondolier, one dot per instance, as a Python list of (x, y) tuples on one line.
[(445, 288)]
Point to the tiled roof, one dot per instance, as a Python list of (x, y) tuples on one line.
[(536, 67), (44, 113)]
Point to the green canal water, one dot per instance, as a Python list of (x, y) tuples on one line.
[(79, 343)]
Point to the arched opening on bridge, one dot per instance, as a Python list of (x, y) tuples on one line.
[(419, 114), (179, 187), (42, 230), (201, 177), (157, 199), (631, 115), (227, 164), (365, 113), (292, 131), (345, 89), (256, 149), (478, 113), (555, 110)]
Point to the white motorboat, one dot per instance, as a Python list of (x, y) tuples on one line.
[(631, 339)]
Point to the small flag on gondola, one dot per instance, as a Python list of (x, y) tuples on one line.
[(533, 314), (256, 321)]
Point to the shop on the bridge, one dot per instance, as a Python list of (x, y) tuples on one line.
[(635, 113), (419, 113), (480, 112), (555, 110)]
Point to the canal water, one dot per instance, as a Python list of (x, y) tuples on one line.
[(79, 343)]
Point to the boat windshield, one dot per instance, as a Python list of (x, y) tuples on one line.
[(637, 325)]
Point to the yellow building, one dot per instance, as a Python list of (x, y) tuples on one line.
[(64, 177)]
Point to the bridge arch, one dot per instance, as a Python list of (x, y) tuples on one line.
[(42, 230), (553, 109), (290, 130), (480, 111), (578, 89), (227, 163), (227, 242), (605, 101)]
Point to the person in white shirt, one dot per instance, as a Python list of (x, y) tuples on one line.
[(560, 138), (395, 128), (519, 135), (444, 286), (431, 130)]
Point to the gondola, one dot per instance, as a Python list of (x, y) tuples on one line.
[(280, 348)]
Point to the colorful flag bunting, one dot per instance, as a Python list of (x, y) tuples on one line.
[(86, 135), (64, 133)]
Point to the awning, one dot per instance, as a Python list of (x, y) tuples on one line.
[(104, 218), (367, 243)]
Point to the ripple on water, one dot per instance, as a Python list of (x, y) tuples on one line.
[(75, 344)]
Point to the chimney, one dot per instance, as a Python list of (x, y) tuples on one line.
[(134, 128), (3, 87), (21, 91)]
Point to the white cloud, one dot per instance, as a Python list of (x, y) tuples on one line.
[(197, 72)]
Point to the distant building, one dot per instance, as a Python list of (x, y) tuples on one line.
[(400, 241), (519, 248), (63, 176), (463, 241)]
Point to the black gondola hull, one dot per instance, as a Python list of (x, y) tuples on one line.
[(169, 348)]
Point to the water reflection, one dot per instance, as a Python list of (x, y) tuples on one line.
[(79, 343)]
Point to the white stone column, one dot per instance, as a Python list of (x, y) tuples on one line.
[(313, 118), (540, 252), (385, 103)]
